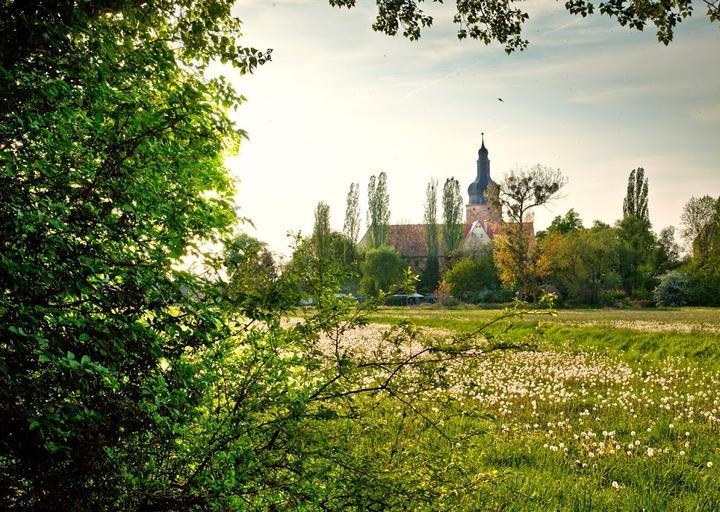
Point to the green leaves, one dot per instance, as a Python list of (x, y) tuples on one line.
[(112, 145), (500, 21)]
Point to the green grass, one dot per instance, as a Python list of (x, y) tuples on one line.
[(632, 335), (599, 380), (456, 318)]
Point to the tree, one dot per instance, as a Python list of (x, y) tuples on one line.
[(474, 278), (704, 273), (430, 275), (562, 225), (327, 260), (503, 22), (521, 275), (254, 280), (712, 259), (696, 217), (581, 264), (673, 290), (322, 231), (636, 199), (431, 272), (520, 191), (351, 228), (382, 270), (452, 215), (112, 143), (430, 219), (638, 249), (668, 251), (378, 209)]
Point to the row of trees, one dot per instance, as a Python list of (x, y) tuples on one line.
[(378, 266), (378, 213), (600, 264)]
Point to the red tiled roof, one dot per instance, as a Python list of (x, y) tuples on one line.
[(409, 239)]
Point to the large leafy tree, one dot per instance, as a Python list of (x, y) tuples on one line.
[(563, 224), (581, 264), (383, 270), (473, 278), (112, 142), (515, 196), (696, 219), (638, 252), (502, 21), (638, 248), (321, 230), (430, 219)]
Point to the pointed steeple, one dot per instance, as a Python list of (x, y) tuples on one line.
[(477, 188), (483, 149)]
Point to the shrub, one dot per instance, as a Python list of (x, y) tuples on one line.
[(614, 298), (673, 289), (383, 269), (473, 279)]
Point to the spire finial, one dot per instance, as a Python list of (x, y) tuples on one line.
[(483, 140)]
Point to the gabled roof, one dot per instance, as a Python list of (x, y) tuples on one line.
[(409, 239)]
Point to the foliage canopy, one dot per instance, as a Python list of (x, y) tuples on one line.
[(502, 21)]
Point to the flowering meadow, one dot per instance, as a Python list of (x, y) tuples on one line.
[(586, 417)]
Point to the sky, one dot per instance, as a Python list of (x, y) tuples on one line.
[(339, 103)]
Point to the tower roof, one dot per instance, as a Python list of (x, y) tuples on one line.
[(477, 188), (483, 150)]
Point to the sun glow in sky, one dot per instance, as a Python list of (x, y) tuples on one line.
[(340, 102)]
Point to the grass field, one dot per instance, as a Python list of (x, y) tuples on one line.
[(611, 410)]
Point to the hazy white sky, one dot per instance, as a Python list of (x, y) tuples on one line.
[(339, 103)]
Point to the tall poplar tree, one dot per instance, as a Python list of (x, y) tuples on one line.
[(452, 215), (430, 219), (351, 228), (636, 199), (321, 230), (431, 272), (378, 209), (638, 242)]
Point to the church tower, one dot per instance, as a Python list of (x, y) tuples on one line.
[(477, 208)]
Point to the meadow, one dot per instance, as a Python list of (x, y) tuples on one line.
[(602, 410)]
